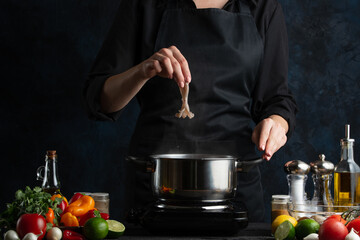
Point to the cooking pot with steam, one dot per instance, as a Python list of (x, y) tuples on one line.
[(194, 177)]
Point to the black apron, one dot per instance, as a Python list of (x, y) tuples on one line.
[(224, 52)]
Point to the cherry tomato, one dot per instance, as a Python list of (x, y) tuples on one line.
[(355, 224), (31, 223), (332, 229)]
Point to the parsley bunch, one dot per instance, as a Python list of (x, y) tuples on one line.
[(28, 201)]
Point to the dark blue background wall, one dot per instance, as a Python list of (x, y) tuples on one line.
[(47, 48)]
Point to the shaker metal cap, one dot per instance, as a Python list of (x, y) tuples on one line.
[(322, 166), (297, 167)]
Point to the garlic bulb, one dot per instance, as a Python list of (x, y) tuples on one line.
[(352, 235), (54, 234), (11, 235), (312, 236)]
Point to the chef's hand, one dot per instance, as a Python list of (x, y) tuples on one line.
[(167, 63), (270, 135)]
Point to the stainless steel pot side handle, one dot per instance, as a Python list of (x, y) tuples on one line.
[(246, 166), (143, 164)]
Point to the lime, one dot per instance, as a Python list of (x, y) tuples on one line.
[(116, 229), (306, 227), (280, 219), (285, 231), (96, 228)]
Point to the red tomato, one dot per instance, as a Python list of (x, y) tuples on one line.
[(355, 224), (332, 229), (33, 223), (336, 217)]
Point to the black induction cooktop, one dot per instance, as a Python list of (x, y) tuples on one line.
[(160, 218)]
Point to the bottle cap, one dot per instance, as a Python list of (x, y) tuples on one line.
[(322, 166), (297, 167), (347, 138), (51, 153)]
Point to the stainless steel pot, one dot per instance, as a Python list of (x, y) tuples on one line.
[(194, 177)]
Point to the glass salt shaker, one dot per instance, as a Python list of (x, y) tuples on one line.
[(297, 175), (322, 176)]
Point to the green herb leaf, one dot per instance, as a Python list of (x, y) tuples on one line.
[(48, 226), (19, 195), (28, 201), (97, 213)]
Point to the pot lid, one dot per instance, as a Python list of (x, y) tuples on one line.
[(322, 166), (297, 167)]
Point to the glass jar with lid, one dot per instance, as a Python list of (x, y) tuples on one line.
[(279, 206), (102, 201)]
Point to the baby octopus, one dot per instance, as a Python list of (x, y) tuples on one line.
[(185, 109)]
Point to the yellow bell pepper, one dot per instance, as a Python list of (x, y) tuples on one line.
[(69, 220), (81, 206)]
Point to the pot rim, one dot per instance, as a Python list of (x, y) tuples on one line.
[(195, 156), (148, 164)]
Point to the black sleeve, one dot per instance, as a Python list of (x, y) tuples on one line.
[(117, 54), (271, 95)]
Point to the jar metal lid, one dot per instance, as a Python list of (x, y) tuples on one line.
[(100, 196), (282, 198)]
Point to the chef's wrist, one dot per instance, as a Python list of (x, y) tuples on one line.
[(140, 73), (280, 120)]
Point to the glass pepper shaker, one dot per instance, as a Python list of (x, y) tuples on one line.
[(297, 175), (322, 176)]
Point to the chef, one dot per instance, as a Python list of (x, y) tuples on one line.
[(233, 57)]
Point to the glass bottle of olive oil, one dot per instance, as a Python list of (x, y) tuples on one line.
[(48, 174), (347, 174)]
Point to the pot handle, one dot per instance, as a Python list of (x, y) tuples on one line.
[(245, 166), (142, 164)]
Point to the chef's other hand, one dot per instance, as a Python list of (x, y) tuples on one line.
[(167, 63), (270, 135)]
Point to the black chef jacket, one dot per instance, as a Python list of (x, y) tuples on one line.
[(131, 40)]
